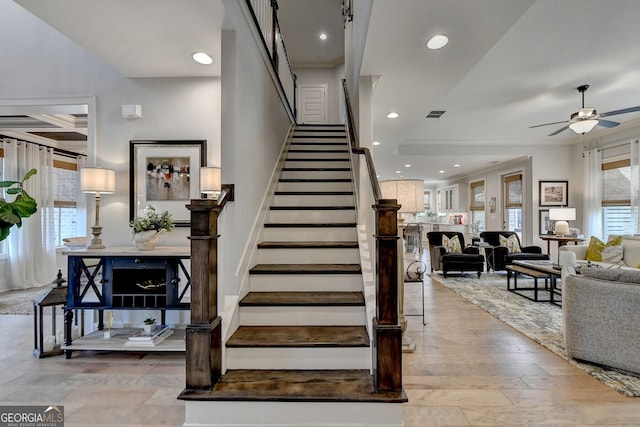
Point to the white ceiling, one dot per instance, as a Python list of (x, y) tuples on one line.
[(510, 64)]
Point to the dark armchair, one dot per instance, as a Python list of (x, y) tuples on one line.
[(498, 256), (469, 260)]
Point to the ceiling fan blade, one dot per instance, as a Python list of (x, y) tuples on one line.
[(559, 130), (607, 123), (547, 124), (623, 111)]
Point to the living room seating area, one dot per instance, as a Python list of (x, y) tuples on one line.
[(448, 253), (505, 247)]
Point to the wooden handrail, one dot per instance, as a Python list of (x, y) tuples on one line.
[(355, 145)]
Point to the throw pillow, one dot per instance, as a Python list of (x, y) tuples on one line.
[(610, 252), (631, 255), (451, 245), (512, 244)]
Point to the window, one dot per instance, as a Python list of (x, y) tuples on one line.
[(65, 194), (616, 198), (513, 203), (477, 206)]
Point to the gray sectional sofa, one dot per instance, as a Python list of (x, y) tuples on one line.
[(601, 311)]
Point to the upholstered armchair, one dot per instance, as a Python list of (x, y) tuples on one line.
[(499, 255), (468, 259)]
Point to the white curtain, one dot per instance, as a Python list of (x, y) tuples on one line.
[(81, 202), (31, 248), (634, 179), (592, 217)]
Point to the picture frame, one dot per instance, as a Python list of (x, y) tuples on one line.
[(554, 193), (166, 175), (545, 224)]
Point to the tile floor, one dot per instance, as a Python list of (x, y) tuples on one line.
[(468, 369)]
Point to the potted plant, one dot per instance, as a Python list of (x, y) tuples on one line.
[(23, 206), (148, 228), (149, 324)]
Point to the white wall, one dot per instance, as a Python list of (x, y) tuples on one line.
[(329, 77)]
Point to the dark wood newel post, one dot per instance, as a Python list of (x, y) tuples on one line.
[(204, 332), (387, 331)]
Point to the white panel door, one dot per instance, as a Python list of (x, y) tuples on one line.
[(313, 104)]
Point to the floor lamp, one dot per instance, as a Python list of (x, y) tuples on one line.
[(97, 181), (410, 196)]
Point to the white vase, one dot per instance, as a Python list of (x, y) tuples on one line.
[(148, 328), (147, 240)]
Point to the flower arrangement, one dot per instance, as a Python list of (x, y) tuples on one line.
[(152, 220)]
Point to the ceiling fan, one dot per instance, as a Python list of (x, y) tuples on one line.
[(585, 119)]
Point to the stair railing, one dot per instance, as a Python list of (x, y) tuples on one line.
[(265, 18), (387, 332), (204, 332)]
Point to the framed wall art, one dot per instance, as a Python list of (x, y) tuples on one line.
[(546, 225), (554, 193), (165, 175)]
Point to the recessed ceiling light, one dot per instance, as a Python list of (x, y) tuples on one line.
[(437, 42), (323, 36), (398, 171), (376, 143), (407, 165), (202, 58), (393, 115), (440, 171), (456, 165)]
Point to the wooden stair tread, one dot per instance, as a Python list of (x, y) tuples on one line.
[(317, 159), (309, 299), (306, 180), (355, 385), (319, 151), (289, 169), (310, 224), (308, 245), (322, 143), (314, 193), (299, 336), (306, 269), (312, 208)]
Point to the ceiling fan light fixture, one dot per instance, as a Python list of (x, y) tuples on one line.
[(583, 126)]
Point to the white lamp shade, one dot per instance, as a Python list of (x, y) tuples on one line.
[(562, 214), (98, 180), (408, 192), (583, 126), (210, 180)]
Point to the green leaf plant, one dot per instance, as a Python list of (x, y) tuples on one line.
[(23, 206)]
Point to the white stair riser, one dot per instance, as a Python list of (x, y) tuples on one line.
[(315, 186), (308, 256), (313, 200), (311, 174), (326, 154), (305, 282), (298, 358), (323, 234), (292, 414), (320, 135), (320, 216), (311, 146), (302, 316), (315, 164)]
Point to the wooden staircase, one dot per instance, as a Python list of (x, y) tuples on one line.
[(301, 355)]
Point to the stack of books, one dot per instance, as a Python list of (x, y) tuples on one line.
[(143, 340)]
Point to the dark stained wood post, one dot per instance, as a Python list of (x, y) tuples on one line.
[(204, 333), (387, 331)]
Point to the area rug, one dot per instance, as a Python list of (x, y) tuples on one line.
[(541, 322), (20, 301)]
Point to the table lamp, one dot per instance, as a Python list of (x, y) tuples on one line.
[(210, 181), (98, 181), (562, 216)]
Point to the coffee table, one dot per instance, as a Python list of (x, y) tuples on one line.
[(537, 270)]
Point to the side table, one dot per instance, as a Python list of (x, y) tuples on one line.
[(562, 240)]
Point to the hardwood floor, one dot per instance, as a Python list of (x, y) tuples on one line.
[(469, 369)]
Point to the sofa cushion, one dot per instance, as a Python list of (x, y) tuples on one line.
[(511, 243), (612, 275), (451, 245), (631, 255), (610, 252)]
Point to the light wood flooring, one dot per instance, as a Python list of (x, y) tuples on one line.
[(468, 369)]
